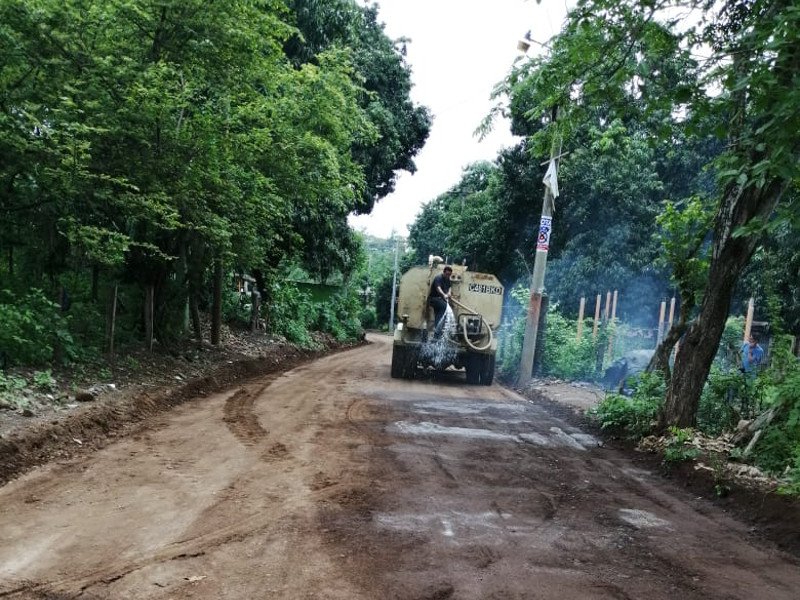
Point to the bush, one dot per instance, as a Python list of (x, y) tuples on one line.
[(291, 313), (339, 315), (634, 416), (731, 342), (564, 356), (678, 449), (236, 308), (368, 318), (32, 328), (778, 450), (726, 397)]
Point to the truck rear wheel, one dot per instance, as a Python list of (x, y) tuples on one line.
[(472, 364), (399, 359), (487, 372)]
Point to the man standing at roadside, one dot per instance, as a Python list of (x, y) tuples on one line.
[(438, 297), (752, 356)]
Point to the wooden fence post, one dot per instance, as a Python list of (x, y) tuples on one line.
[(596, 323), (748, 323)]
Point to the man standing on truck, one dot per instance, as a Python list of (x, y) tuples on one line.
[(438, 297)]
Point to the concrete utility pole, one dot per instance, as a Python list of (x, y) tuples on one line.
[(539, 265), (394, 286)]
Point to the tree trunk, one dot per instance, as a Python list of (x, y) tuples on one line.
[(216, 308), (255, 312), (194, 313), (111, 323), (730, 254), (95, 278), (660, 359), (149, 312)]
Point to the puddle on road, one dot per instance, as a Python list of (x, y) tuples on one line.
[(557, 437), (426, 428), (641, 519), (638, 475), (428, 408), (465, 527), (566, 439)]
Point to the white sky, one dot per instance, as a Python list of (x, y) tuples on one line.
[(459, 50)]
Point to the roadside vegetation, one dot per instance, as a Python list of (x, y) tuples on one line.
[(172, 172), (676, 126), (156, 156)]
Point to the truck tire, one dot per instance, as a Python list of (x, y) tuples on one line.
[(487, 372), (410, 363), (472, 364), (398, 362)]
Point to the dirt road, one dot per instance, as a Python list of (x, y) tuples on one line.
[(334, 481)]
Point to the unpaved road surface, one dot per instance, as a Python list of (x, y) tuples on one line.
[(334, 481)]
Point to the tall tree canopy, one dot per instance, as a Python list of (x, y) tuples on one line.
[(694, 103), (146, 140), (724, 70)]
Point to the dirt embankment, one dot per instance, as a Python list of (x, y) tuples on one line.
[(95, 424)]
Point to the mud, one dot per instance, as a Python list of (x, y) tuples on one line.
[(335, 481)]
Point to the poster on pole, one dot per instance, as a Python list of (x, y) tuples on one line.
[(543, 241)]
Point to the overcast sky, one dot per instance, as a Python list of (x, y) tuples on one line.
[(459, 50)]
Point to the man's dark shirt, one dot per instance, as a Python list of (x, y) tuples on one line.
[(440, 281)]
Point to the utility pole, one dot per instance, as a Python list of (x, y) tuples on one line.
[(394, 285), (539, 265)]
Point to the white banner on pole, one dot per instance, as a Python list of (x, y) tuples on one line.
[(551, 178)]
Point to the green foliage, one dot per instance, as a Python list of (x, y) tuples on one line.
[(145, 141), (564, 356), (725, 395), (294, 314), (44, 380), (779, 446), (728, 355), (236, 308), (682, 233), (368, 318), (291, 313), (339, 315), (678, 449), (633, 417), (31, 328), (11, 388)]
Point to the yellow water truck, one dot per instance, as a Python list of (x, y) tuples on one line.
[(469, 343)]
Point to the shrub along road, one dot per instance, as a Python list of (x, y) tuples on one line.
[(334, 481)]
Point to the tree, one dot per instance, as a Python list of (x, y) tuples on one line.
[(639, 59), (151, 142)]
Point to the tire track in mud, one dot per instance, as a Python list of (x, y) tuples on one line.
[(241, 419)]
